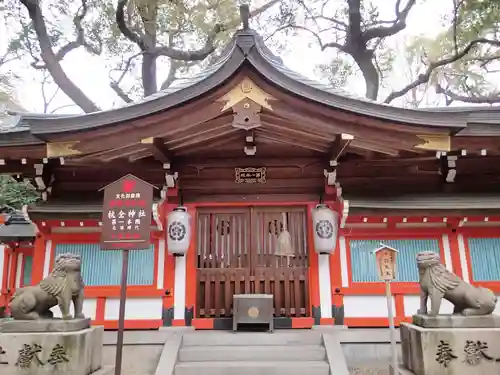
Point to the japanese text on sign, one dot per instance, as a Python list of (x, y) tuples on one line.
[(386, 263), (127, 214)]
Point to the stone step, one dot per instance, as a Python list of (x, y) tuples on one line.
[(253, 368), (252, 353), (225, 338)]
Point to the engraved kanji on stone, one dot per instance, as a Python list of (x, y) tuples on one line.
[(444, 354), (475, 351), (27, 354), (2, 353), (58, 355)]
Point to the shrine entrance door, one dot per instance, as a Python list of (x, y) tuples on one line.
[(239, 252)]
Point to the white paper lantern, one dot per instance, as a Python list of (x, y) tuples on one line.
[(178, 231), (325, 226)]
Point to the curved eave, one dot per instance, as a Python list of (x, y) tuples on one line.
[(292, 82), (247, 46), (183, 91)]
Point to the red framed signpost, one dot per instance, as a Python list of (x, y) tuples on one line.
[(126, 225)]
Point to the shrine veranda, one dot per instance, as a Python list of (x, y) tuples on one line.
[(250, 148)]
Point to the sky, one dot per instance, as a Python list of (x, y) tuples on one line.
[(89, 73)]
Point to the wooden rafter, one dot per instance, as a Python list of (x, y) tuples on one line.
[(158, 149), (339, 146)]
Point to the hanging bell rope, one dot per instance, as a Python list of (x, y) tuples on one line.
[(285, 241)]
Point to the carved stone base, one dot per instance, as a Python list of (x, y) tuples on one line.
[(51, 353), (450, 351), (457, 321), (44, 325)]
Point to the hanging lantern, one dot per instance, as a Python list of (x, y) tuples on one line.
[(325, 225), (179, 231)]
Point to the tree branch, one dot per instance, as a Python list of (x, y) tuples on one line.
[(119, 91), (122, 26), (451, 97), (397, 25), (80, 39), (50, 59), (174, 66), (424, 77)]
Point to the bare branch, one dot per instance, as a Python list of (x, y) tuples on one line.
[(424, 77), (398, 24), (473, 99), (80, 39), (174, 66), (118, 90), (122, 25)]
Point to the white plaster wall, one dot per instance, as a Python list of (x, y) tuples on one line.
[(89, 309), (135, 308), (343, 261), (447, 253), (463, 258), (19, 269), (180, 287), (412, 304), (46, 262), (161, 264), (2, 262), (325, 286), (366, 306)]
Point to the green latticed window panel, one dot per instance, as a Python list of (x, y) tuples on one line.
[(103, 267), (485, 258), (364, 268), (27, 269)]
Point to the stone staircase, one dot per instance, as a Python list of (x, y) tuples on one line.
[(252, 353)]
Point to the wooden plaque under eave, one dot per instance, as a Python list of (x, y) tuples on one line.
[(250, 175)]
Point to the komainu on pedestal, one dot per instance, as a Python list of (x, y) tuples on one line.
[(467, 341), (63, 286), (33, 342), (436, 283)]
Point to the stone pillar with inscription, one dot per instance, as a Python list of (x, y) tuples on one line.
[(50, 347), (463, 343), (33, 342)]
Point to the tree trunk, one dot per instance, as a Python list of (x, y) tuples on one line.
[(149, 74), (370, 74), (51, 62)]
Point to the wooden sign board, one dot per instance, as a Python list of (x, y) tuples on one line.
[(250, 175), (386, 262), (126, 219)]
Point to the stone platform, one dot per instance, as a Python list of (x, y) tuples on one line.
[(44, 325), (457, 321), (51, 353), (451, 350)]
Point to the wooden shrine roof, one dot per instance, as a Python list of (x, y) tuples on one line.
[(247, 49)]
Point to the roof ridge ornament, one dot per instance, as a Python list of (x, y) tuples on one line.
[(245, 16)]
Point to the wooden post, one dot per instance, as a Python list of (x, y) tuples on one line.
[(392, 327), (127, 209), (386, 266), (121, 316)]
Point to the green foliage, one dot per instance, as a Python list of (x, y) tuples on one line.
[(15, 194)]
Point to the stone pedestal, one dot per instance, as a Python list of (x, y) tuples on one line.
[(451, 345), (62, 351)]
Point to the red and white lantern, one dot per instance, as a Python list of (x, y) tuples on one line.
[(178, 231), (325, 227)]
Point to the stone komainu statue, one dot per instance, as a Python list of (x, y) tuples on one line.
[(436, 283), (63, 286)]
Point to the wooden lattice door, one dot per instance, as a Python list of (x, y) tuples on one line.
[(239, 252)]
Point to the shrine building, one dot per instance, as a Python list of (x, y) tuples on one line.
[(267, 182)]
